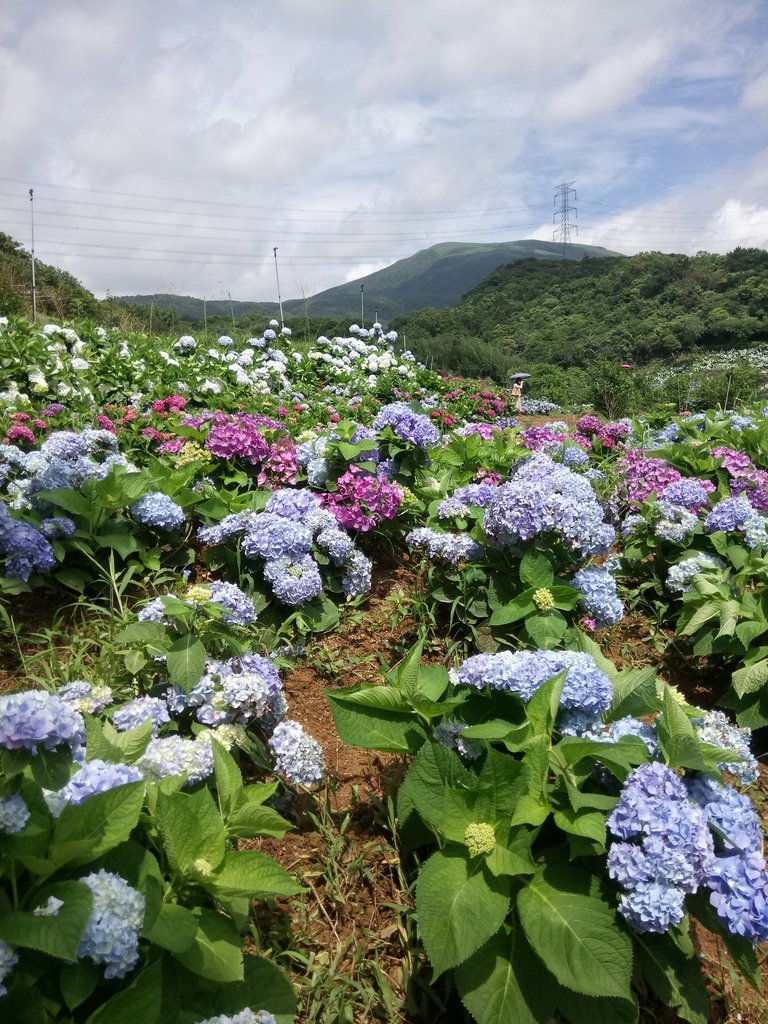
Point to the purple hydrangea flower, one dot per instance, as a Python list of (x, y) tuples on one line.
[(407, 424)]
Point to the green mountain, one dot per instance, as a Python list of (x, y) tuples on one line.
[(436, 277), (651, 306)]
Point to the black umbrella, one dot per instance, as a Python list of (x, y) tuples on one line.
[(519, 376)]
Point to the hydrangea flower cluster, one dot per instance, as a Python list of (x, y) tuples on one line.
[(737, 878), (715, 729), (8, 960), (84, 697), (586, 688), (14, 814), (37, 719), (283, 536), (298, 757), (682, 574), (544, 497), (111, 935), (409, 425), (158, 511), (246, 1016), (643, 476), (240, 690), (598, 593), (138, 710), (363, 500), (447, 547), (96, 776), (689, 492), (465, 498), (176, 755), (25, 548), (674, 855), (238, 608)]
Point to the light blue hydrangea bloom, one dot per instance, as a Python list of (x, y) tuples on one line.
[(14, 813), (298, 757), (111, 935)]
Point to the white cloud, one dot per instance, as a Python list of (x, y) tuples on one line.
[(186, 139)]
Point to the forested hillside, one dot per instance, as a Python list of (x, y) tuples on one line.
[(570, 314)]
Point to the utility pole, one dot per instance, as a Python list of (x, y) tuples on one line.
[(362, 305), (279, 300), (32, 218), (562, 196)]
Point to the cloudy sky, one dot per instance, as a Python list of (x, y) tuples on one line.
[(173, 144)]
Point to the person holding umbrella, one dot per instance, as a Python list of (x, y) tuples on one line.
[(517, 389)]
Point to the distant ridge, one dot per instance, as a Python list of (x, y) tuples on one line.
[(436, 277)]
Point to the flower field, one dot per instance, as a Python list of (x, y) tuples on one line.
[(331, 691)]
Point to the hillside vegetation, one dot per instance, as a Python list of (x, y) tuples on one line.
[(436, 277), (570, 314)]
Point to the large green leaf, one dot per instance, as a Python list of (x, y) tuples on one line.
[(675, 978), (252, 874), (192, 832), (578, 1009), (140, 1001), (360, 725), (536, 570), (750, 679), (88, 830), (186, 661), (505, 983), (575, 933), (216, 950), (174, 928), (59, 934), (459, 906)]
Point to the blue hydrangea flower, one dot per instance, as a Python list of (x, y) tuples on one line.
[(245, 1016), (357, 575), (672, 856), (240, 610), (111, 935), (138, 710), (8, 960), (271, 536), (715, 729), (24, 547), (294, 580), (337, 543), (728, 515), (544, 497), (292, 503), (298, 757), (14, 813), (57, 526), (38, 719), (447, 547), (85, 697), (459, 503), (158, 511), (598, 593), (228, 527), (586, 688), (98, 776), (574, 456), (176, 755), (407, 424), (682, 574)]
